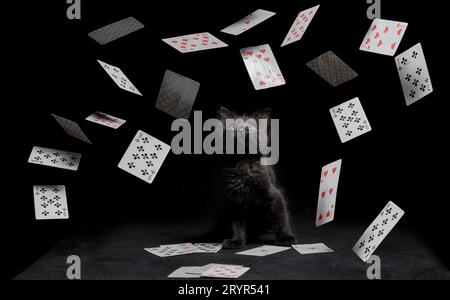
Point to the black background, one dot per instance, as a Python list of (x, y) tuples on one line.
[(403, 159)]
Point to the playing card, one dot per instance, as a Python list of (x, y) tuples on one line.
[(225, 271), (332, 69), (255, 18), (199, 270), (177, 95), (263, 250), (185, 272), (413, 71), (312, 248), (327, 193), (384, 37), (208, 247), (55, 158), (144, 157), (350, 120), (262, 67), (378, 230), (72, 128), (184, 248), (50, 202), (173, 250), (119, 78), (195, 42), (115, 30), (300, 25), (106, 120)]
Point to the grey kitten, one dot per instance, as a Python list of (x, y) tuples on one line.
[(251, 187)]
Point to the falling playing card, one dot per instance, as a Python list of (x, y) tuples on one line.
[(300, 25), (144, 157), (173, 250), (384, 37), (413, 71), (262, 67), (195, 42), (55, 158), (185, 272), (255, 18), (350, 120), (50, 202), (225, 271), (378, 230), (327, 193), (263, 250), (177, 95), (72, 128), (312, 248), (106, 120), (115, 30), (209, 247), (119, 78), (332, 69)]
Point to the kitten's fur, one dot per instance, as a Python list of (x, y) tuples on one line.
[(251, 186)]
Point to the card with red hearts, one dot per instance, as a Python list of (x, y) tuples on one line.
[(300, 25), (327, 193), (250, 21), (262, 67), (384, 37), (195, 42)]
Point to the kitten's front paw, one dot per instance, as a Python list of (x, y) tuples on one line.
[(285, 240), (233, 244)]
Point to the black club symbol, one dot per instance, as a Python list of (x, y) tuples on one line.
[(404, 61), (40, 151), (153, 156), (149, 163), (345, 125), (144, 172), (361, 244), (144, 156), (360, 128), (412, 94), (136, 156), (153, 172), (357, 120), (73, 157), (381, 232), (339, 110), (44, 205), (384, 223), (55, 190), (58, 212), (145, 140), (47, 156), (37, 158), (414, 54), (56, 154), (367, 250), (54, 161), (342, 118), (71, 164), (415, 82), (375, 227), (408, 77), (57, 198), (394, 216), (423, 87), (349, 133), (419, 71), (51, 201), (63, 159), (131, 165), (371, 238), (351, 105), (158, 147), (140, 148), (58, 205), (42, 190), (354, 113), (350, 119), (389, 210), (45, 213)]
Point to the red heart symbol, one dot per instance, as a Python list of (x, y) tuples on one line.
[(399, 32), (330, 191), (320, 218), (266, 59), (250, 53), (367, 41), (328, 214), (334, 170), (374, 27), (323, 194), (393, 46), (258, 55), (377, 35), (386, 29), (247, 22), (325, 174), (332, 205), (262, 83), (262, 51), (380, 43)]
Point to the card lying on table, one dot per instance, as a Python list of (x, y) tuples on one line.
[(384, 37), (225, 271), (378, 230), (263, 250), (250, 21), (327, 193), (350, 120), (55, 158), (50, 202), (413, 71), (144, 157), (262, 67), (208, 247), (312, 248), (115, 30), (300, 25), (195, 42)]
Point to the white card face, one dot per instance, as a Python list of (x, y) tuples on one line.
[(55, 158), (199, 270), (263, 250), (350, 120), (413, 71), (384, 37), (312, 248), (144, 157), (326, 203), (225, 271), (185, 272), (209, 247), (195, 42), (378, 230), (50, 202), (173, 250), (105, 120), (72, 128), (262, 67), (255, 18), (119, 78), (300, 25)]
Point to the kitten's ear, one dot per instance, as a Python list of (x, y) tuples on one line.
[(224, 113), (265, 113)]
